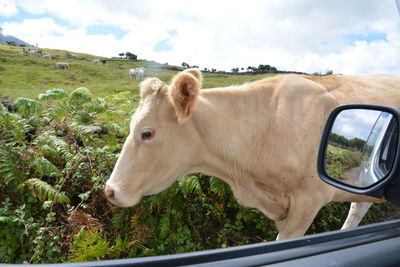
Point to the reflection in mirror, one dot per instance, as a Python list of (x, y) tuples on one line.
[(361, 146)]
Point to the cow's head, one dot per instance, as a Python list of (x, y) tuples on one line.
[(162, 143)]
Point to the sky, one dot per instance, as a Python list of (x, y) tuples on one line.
[(357, 123), (347, 37)]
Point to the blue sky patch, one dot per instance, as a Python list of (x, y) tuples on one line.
[(163, 46), (19, 18), (106, 29), (172, 32), (369, 37)]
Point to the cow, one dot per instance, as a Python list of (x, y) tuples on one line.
[(260, 137), (140, 73), (62, 66), (131, 72), (72, 56), (47, 56), (33, 53), (25, 51), (137, 72), (96, 61)]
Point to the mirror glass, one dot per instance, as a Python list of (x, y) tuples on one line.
[(361, 146)]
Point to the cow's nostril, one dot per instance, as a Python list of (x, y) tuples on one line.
[(109, 193)]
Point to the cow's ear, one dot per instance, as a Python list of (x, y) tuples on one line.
[(183, 92), (196, 73), (150, 86)]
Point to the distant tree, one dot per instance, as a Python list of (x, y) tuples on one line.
[(235, 70), (205, 70), (213, 70), (357, 143), (253, 69), (242, 69), (121, 54), (328, 72), (11, 43), (185, 65), (130, 56), (194, 66), (339, 139)]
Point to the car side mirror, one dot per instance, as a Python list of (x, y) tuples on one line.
[(360, 151)]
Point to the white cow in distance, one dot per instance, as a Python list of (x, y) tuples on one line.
[(62, 66), (140, 73), (132, 72), (137, 72), (47, 56), (261, 138), (70, 55), (35, 52)]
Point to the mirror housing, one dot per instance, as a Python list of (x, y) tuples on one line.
[(387, 186)]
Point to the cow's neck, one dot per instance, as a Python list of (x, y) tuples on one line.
[(235, 126)]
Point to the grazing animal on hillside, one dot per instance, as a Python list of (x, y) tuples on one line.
[(72, 56), (33, 53), (62, 66), (137, 72), (261, 138), (96, 61), (47, 56), (140, 73), (25, 50), (131, 72)]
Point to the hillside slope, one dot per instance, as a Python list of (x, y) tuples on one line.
[(25, 76), (8, 38)]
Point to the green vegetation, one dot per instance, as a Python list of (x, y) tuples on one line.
[(352, 144), (57, 149), (338, 160), (25, 76), (343, 154)]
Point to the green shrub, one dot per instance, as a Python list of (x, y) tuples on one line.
[(57, 151)]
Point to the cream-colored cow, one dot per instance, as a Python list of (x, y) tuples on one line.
[(261, 138)]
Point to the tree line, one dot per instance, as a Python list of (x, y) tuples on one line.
[(355, 143)]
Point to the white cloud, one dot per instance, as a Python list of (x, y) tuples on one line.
[(291, 35), (8, 8)]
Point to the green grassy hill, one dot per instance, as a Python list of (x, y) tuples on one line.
[(26, 76)]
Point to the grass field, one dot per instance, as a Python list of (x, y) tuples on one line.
[(25, 76)]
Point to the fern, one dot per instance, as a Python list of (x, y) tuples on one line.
[(45, 191), (59, 110), (80, 96), (26, 106), (97, 106), (218, 187), (54, 147), (44, 167), (54, 94), (189, 184), (165, 226), (9, 168), (11, 126), (83, 130), (89, 245)]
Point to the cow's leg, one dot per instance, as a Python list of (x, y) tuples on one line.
[(300, 216), (356, 213)]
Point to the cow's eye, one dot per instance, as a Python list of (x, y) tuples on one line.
[(147, 134)]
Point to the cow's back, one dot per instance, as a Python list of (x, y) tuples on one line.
[(368, 88)]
